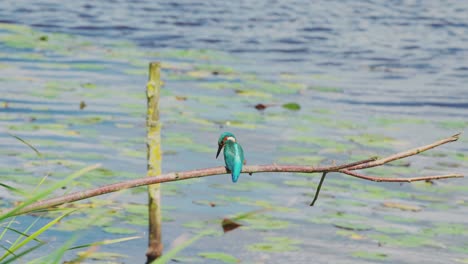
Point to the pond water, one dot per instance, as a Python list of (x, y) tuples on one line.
[(371, 78)]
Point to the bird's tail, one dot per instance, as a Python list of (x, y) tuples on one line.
[(235, 173)]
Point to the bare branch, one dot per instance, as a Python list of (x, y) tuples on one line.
[(347, 169)]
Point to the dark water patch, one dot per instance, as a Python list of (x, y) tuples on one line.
[(290, 60), (290, 41), (329, 64), (211, 41), (252, 41), (443, 24), (394, 77), (355, 52), (196, 23), (313, 38), (6, 21), (45, 26), (290, 50), (411, 47), (384, 59), (317, 29), (93, 28)]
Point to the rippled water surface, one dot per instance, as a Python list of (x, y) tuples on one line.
[(371, 78)]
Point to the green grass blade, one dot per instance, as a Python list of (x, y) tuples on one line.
[(38, 154), (174, 251), (8, 250), (105, 242), (25, 231), (5, 229), (22, 233), (27, 144), (13, 189), (49, 190), (92, 247), (56, 256), (35, 234), (27, 251), (248, 214)]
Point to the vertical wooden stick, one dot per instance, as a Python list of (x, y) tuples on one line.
[(153, 125)]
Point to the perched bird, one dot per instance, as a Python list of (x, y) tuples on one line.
[(233, 154)]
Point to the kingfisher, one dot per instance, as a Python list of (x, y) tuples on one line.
[(233, 154)]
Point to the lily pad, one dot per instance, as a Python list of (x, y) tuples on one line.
[(350, 234), (292, 106), (301, 160), (195, 224), (370, 255), (266, 223), (374, 140), (222, 257), (118, 230), (253, 93), (276, 244), (401, 206), (104, 256), (453, 124), (453, 229)]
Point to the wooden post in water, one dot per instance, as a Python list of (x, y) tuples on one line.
[(155, 246)]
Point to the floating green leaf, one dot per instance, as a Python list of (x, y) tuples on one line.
[(350, 234), (303, 160), (266, 223), (374, 140), (276, 244), (453, 124), (292, 106), (118, 230), (175, 250), (453, 229), (104, 256), (369, 255), (401, 206), (222, 257)]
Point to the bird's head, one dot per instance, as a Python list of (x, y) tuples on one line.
[(226, 136)]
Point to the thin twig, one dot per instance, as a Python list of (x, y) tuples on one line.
[(353, 164), (318, 189), (405, 154), (413, 179)]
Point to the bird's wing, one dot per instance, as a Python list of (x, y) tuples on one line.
[(234, 159)]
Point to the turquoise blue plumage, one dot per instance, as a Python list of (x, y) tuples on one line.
[(233, 154)]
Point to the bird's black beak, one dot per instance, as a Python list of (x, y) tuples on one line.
[(219, 150)]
